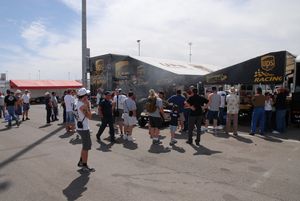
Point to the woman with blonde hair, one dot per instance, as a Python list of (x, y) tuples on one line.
[(154, 107)]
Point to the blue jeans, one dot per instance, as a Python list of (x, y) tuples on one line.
[(221, 116), (280, 120), (11, 112), (258, 116)]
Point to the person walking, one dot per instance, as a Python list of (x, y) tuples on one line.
[(280, 107), (106, 115), (258, 115), (155, 111), (179, 100), (233, 104), (69, 101), (268, 112), (129, 117), (118, 109), (48, 105), (2, 106), (214, 102), (195, 103), (26, 105), (54, 107), (83, 110), (221, 119), (19, 104), (63, 105), (11, 103), (174, 123)]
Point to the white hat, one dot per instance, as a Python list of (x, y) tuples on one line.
[(83, 91), (18, 91), (47, 93)]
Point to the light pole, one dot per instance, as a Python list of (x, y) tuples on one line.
[(139, 46), (190, 59), (84, 45)]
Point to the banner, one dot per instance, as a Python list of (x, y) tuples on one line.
[(265, 69)]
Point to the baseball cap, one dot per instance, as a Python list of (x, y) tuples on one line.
[(47, 93), (18, 91), (83, 91)]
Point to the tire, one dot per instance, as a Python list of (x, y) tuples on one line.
[(142, 122)]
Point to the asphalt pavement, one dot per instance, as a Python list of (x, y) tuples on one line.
[(39, 163)]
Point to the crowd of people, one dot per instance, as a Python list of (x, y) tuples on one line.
[(118, 111)]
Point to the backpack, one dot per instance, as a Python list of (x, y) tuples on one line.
[(151, 105)]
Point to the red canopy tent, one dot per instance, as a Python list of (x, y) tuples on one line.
[(44, 84)]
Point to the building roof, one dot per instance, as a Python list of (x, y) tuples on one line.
[(177, 67), (44, 84)]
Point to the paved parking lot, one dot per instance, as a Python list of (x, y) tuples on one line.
[(38, 162)]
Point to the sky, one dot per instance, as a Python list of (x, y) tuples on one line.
[(41, 39)]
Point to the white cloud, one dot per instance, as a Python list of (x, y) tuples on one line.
[(222, 32)]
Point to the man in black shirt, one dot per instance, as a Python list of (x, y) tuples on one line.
[(106, 115), (10, 102), (195, 103)]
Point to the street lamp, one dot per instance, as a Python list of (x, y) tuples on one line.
[(190, 59), (139, 46)]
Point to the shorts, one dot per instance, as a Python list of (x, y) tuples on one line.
[(173, 128), (26, 106), (181, 117), (70, 117), (155, 122), (129, 121), (119, 118), (86, 139), (212, 115)]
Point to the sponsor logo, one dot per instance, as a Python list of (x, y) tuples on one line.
[(216, 78), (263, 74)]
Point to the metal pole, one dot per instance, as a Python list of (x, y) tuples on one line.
[(139, 46), (190, 59), (84, 45)]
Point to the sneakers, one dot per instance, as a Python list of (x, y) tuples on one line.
[(251, 133), (125, 137), (172, 142), (235, 134), (80, 164), (87, 169), (197, 142), (130, 138), (27, 118), (156, 142), (275, 132), (189, 142)]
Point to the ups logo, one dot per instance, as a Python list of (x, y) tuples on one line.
[(268, 62)]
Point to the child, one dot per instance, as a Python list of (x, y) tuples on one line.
[(174, 123)]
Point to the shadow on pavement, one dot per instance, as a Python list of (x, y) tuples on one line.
[(178, 149), (4, 185), (28, 148), (157, 149), (270, 139), (75, 140), (104, 147), (130, 145), (66, 135), (201, 150), (76, 187), (242, 139), (45, 126), (181, 136)]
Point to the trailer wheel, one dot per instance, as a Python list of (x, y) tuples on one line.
[(142, 122)]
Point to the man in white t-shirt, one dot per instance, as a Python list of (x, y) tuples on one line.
[(26, 104), (83, 108), (118, 108), (69, 102)]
